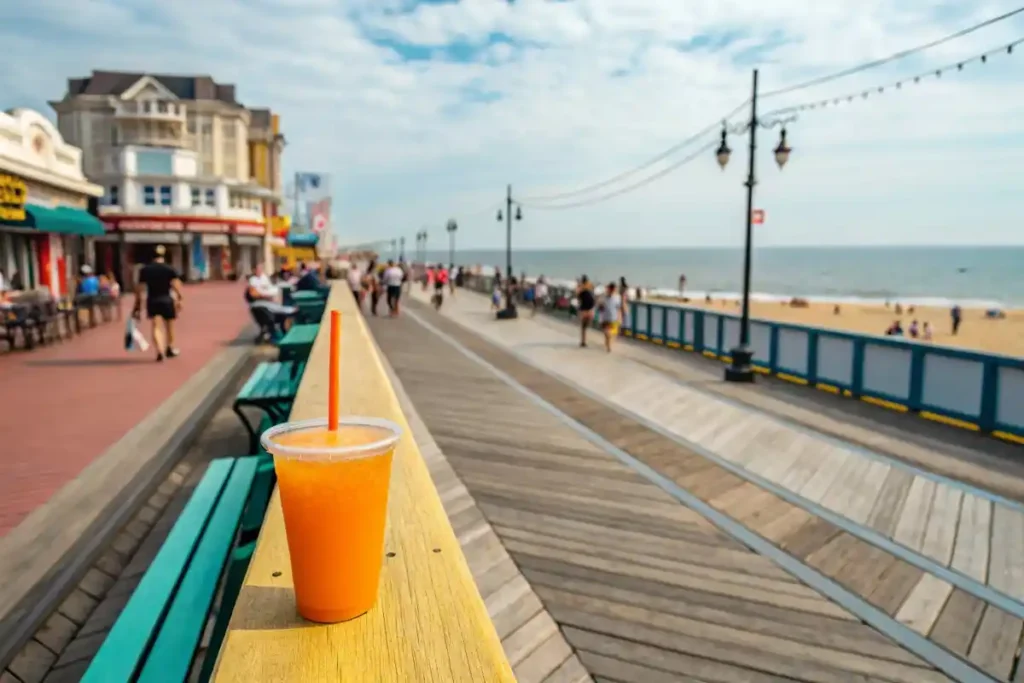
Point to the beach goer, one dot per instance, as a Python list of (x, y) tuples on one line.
[(428, 277), (611, 312), (895, 330), (451, 279), (624, 296), (367, 286), (355, 282), (496, 297), (587, 303), (393, 277), (540, 294), (682, 284), (927, 335), (440, 281), (899, 308), (160, 286), (956, 315), (913, 330)]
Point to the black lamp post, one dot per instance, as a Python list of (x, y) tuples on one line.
[(510, 306), (740, 370), (452, 227)]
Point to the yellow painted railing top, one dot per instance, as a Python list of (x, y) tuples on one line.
[(429, 624)]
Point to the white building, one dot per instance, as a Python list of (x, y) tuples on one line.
[(45, 225), (172, 154)]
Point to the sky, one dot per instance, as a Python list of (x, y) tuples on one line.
[(424, 111)]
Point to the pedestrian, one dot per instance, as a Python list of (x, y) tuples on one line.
[(682, 284), (624, 296), (89, 285), (393, 277), (540, 294), (956, 315), (366, 286), (451, 279), (927, 331), (913, 330), (160, 286), (440, 281), (496, 297), (587, 302), (611, 312)]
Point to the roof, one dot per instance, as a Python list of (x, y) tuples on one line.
[(184, 87), (259, 118)]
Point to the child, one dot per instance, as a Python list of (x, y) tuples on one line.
[(496, 298)]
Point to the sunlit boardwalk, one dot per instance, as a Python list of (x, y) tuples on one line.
[(642, 518)]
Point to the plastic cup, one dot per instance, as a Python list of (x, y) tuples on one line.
[(334, 495)]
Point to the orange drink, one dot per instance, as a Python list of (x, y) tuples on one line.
[(334, 495)]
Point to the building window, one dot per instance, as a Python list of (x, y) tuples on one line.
[(191, 125), (149, 195), (197, 198), (153, 162), (211, 197), (112, 196), (165, 195)]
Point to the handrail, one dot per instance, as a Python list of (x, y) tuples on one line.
[(430, 623)]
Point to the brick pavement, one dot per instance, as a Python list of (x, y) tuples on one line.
[(62, 406)]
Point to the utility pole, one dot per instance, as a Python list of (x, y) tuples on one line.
[(451, 228), (510, 307)]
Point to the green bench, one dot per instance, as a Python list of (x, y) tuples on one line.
[(271, 388), (158, 634), (311, 305), (297, 342)]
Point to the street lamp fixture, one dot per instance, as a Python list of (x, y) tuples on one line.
[(510, 307), (740, 370), (451, 227), (723, 152), (782, 150)]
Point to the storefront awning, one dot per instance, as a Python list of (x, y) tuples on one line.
[(64, 220), (305, 239)]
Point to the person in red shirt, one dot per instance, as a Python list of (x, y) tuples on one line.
[(440, 281)]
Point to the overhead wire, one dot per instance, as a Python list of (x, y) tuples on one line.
[(623, 190), (893, 57), (539, 201), (865, 93), (651, 162)]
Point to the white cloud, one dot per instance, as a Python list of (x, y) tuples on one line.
[(585, 89)]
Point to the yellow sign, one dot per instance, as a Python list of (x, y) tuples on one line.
[(12, 198), (279, 225)]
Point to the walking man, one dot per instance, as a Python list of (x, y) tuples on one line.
[(160, 285), (394, 276)]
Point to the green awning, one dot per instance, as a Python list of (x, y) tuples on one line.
[(64, 220)]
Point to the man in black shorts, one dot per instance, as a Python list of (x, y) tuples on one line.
[(160, 285)]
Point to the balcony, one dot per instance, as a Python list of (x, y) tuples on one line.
[(151, 110), (152, 136)]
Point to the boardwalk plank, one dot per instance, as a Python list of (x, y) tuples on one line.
[(971, 552)]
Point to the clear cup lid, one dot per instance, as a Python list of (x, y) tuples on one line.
[(383, 435)]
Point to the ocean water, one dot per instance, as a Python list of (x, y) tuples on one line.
[(971, 276)]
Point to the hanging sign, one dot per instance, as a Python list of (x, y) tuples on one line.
[(12, 198)]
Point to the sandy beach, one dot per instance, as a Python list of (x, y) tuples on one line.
[(1005, 336)]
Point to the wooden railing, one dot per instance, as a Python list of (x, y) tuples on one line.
[(429, 624)]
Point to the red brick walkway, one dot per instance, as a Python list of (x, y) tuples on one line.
[(62, 406)]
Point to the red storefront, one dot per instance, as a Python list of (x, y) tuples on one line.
[(199, 248)]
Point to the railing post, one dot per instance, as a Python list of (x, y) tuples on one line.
[(721, 335), (858, 367), (773, 349), (698, 331), (917, 355), (812, 359), (989, 396)]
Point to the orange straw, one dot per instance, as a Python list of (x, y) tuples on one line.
[(333, 386)]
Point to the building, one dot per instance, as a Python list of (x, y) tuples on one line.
[(266, 145), (46, 229), (173, 156)]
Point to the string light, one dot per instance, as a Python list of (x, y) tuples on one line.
[(898, 85)]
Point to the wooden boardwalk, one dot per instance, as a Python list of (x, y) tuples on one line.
[(977, 535), (643, 588)]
